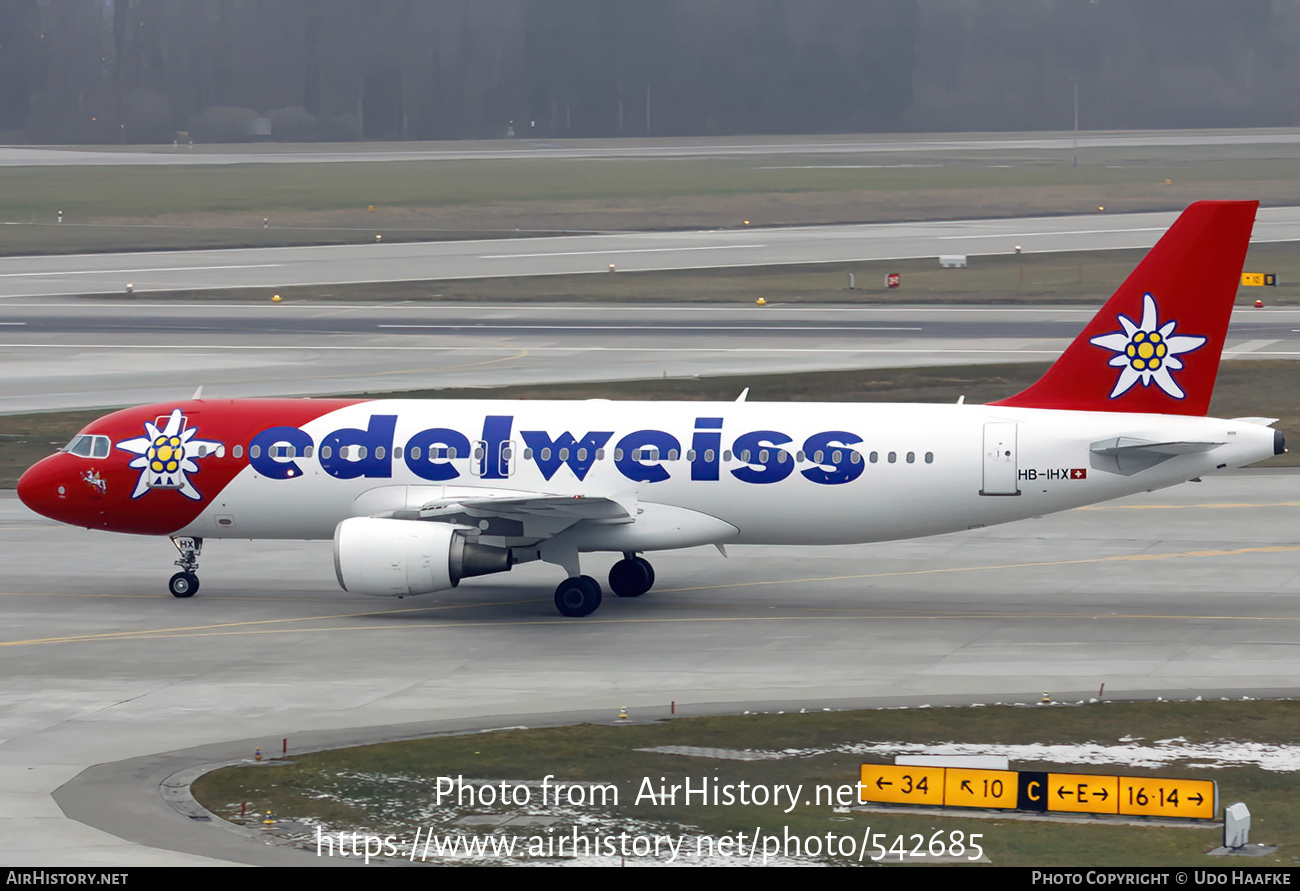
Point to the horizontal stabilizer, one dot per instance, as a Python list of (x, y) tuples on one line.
[(1128, 455)]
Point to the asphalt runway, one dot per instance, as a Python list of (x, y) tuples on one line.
[(1180, 593), (44, 156), (271, 268), (67, 353)]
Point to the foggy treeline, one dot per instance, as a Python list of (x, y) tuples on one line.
[(137, 71)]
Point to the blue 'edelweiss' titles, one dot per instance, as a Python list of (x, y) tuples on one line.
[(440, 454), (1148, 352)]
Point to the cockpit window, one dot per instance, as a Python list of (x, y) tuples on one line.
[(88, 446)]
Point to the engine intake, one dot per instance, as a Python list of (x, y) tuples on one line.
[(397, 558)]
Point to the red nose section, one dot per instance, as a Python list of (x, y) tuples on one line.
[(44, 488)]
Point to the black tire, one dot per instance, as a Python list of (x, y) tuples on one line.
[(631, 578), (649, 572), (184, 584), (578, 596)]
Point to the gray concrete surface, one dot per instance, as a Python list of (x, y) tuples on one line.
[(54, 275), (1186, 592), (66, 353), (28, 156)]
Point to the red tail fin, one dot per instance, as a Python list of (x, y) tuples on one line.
[(1155, 345)]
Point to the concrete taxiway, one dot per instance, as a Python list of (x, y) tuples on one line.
[(87, 354), (284, 267), (744, 146), (1182, 593)]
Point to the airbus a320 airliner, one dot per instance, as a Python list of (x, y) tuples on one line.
[(418, 495)]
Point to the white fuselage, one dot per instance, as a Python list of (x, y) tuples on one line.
[(776, 473)]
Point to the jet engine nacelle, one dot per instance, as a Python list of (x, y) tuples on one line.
[(396, 558)]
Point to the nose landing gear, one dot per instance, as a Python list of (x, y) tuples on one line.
[(186, 583)]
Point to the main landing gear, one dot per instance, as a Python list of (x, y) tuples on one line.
[(186, 583), (632, 576), (580, 595), (577, 596)]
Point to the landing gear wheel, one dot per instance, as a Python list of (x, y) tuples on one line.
[(631, 577), (578, 596), (184, 584), (649, 571)]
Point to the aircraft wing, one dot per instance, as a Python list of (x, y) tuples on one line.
[(535, 516), (510, 514)]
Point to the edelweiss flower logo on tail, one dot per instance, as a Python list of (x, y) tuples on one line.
[(167, 455), (1149, 351)]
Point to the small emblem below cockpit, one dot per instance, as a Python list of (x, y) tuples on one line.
[(95, 481)]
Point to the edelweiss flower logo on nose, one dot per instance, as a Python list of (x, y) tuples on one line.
[(1149, 351), (167, 455)]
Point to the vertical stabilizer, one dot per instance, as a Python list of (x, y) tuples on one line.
[(1155, 346)]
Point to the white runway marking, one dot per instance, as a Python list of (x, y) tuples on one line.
[(124, 271), (663, 250), (1250, 346), (647, 328), (1052, 232), (478, 348)]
